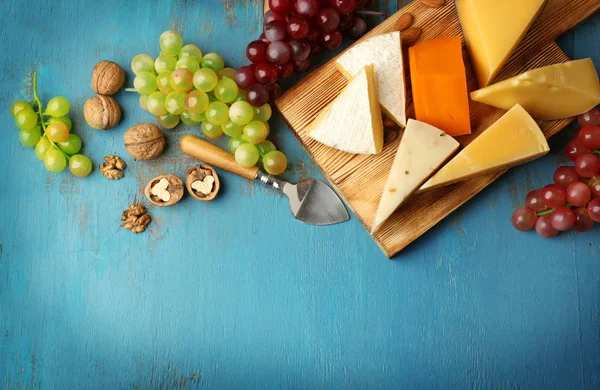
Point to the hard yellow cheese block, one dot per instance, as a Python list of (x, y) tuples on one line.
[(352, 122), (493, 29), (513, 139), (552, 92)]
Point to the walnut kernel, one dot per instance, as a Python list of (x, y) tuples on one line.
[(102, 112), (112, 167), (144, 141), (107, 78), (202, 182), (164, 190)]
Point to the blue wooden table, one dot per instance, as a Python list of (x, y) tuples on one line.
[(235, 293)]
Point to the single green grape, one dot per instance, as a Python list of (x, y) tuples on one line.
[(170, 42), (211, 130), (188, 63), (145, 83), (246, 155), (196, 101), (18, 106), (64, 119), (168, 121), (57, 132), (275, 163), (217, 113), (235, 142), (58, 106), (205, 79), (255, 132), (142, 63), (55, 160), (42, 147), (26, 119), (175, 103), (71, 146), (187, 120), (241, 97), (182, 80), (156, 103), (213, 61), (263, 113), (241, 113), (227, 73), (226, 90), (163, 82), (144, 102), (192, 51), (232, 130), (265, 147), (80, 165), (198, 117), (30, 137), (165, 62)]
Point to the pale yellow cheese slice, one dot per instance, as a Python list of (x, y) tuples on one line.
[(493, 29), (552, 92), (385, 53), (352, 122), (423, 149), (513, 139)]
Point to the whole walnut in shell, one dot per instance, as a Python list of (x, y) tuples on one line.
[(107, 78), (144, 141), (102, 112)]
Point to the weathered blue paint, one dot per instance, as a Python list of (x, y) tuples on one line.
[(235, 293)]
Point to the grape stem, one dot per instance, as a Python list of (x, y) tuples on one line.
[(369, 13), (130, 90), (40, 107), (545, 212)]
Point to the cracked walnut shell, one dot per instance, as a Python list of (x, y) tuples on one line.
[(164, 190), (144, 141), (102, 112), (107, 78), (202, 182)]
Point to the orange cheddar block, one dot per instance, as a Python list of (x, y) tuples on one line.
[(439, 85)]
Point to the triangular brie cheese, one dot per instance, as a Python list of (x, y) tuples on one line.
[(385, 53), (352, 123), (423, 149)]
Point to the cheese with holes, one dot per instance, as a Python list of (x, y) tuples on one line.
[(493, 29), (439, 85), (512, 140), (385, 53), (552, 92), (423, 149), (352, 122)]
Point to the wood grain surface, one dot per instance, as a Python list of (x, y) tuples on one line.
[(360, 179), (235, 293)]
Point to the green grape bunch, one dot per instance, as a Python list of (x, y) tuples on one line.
[(183, 85), (49, 132)]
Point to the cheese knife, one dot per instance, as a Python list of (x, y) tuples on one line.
[(311, 201)]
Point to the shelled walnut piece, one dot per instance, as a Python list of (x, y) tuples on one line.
[(202, 182), (107, 78), (135, 218), (112, 167), (164, 190)]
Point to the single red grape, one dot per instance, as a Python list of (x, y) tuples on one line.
[(344, 6), (316, 48), (587, 165), (583, 221), (314, 33), (279, 52), (302, 66), (285, 70), (578, 194), (594, 209), (544, 228), (592, 117), (553, 196), (275, 91), (256, 51), (257, 95), (275, 30), (307, 8), (565, 176), (575, 149), (328, 19), (297, 27), (595, 186), (358, 29), (524, 219), (244, 77), (281, 6), (271, 15), (562, 218), (266, 73), (332, 40), (590, 137), (300, 50), (346, 21), (534, 201)]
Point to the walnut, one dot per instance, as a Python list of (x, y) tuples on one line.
[(135, 218), (164, 190), (112, 167), (107, 78), (144, 141), (202, 182), (102, 112)]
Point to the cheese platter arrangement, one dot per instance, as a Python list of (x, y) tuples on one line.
[(478, 91)]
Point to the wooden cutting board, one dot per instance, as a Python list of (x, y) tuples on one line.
[(360, 179)]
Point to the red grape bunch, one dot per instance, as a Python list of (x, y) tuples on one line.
[(573, 201), (293, 30)]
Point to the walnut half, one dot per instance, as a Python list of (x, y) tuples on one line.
[(164, 190), (202, 182)]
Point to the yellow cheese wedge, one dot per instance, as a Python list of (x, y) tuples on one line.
[(423, 149), (552, 92), (493, 29), (514, 139), (352, 122)]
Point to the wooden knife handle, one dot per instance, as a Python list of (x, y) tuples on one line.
[(211, 154)]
